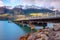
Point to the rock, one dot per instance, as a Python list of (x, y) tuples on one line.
[(46, 34), (51, 35), (56, 26), (38, 36), (57, 37)]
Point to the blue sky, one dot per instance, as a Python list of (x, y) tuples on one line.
[(42, 3), (10, 2)]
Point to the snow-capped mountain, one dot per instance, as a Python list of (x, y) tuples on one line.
[(29, 6), (26, 9)]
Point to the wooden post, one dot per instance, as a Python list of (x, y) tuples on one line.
[(23, 24), (32, 26), (55, 13), (44, 25)]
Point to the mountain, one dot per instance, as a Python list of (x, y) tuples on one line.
[(19, 10), (28, 6), (1, 10), (32, 10), (5, 9)]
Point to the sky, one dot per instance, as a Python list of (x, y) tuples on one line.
[(42, 3), (9, 2)]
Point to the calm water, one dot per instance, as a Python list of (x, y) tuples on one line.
[(11, 31)]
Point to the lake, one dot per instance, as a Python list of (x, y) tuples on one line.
[(11, 31)]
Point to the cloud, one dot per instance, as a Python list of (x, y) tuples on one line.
[(56, 4), (42, 3), (39, 1), (1, 3)]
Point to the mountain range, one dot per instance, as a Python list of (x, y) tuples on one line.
[(27, 10)]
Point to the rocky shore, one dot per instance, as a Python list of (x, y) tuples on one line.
[(44, 34)]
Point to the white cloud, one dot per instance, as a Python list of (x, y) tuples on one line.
[(42, 3), (56, 4), (1, 3)]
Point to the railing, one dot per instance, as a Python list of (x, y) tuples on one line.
[(38, 17)]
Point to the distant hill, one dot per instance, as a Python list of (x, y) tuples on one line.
[(27, 11), (17, 10), (2, 9), (33, 9)]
